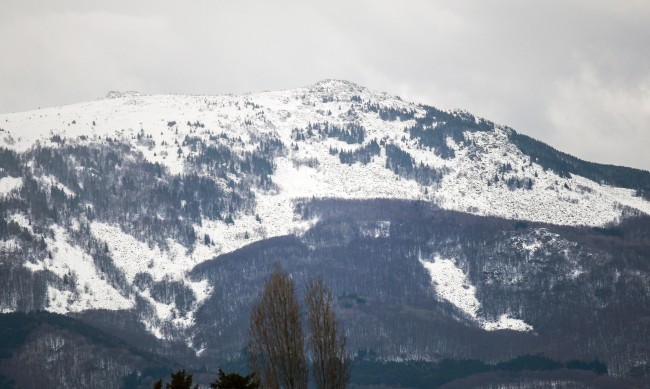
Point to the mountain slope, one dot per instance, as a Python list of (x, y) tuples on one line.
[(67, 353), (147, 206)]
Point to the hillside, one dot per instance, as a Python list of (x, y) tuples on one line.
[(443, 235)]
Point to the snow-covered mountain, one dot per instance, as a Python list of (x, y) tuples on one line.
[(113, 204), (461, 154)]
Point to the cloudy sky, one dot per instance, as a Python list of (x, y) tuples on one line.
[(575, 74)]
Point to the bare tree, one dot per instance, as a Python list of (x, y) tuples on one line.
[(276, 342), (330, 367)]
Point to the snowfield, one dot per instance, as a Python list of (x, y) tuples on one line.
[(9, 184), (463, 188)]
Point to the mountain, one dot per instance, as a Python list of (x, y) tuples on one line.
[(157, 219)]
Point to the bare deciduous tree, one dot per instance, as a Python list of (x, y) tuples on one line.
[(327, 342), (276, 342)]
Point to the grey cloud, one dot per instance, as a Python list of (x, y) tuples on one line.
[(572, 73)]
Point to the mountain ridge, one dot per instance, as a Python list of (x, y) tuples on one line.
[(121, 204)]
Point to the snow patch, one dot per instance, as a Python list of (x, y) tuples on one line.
[(90, 289), (21, 220), (451, 284), (9, 184), (133, 256), (172, 264), (50, 181)]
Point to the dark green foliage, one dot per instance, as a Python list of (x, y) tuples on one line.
[(363, 155), (402, 164), (175, 292), (234, 381), (519, 183), (179, 380), (389, 113), (196, 124), (218, 160), (116, 185), (436, 126), (351, 133), (564, 165), (9, 163)]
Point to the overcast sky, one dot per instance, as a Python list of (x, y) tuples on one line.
[(575, 74)]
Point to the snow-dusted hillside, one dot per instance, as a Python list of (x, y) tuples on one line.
[(332, 139), (464, 186)]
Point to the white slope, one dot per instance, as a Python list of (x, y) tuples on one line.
[(88, 289), (9, 184), (133, 256), (464, 188), (452, 285)]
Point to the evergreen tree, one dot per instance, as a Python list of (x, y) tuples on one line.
[(234, 381), (179, 380)]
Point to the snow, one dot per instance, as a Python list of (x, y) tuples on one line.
[(452, 285), (464, 187), (50, 181), (133, 256), (9, 184), (91, 291), (505, 322), (378, 229), (9, 246), (21, 220)]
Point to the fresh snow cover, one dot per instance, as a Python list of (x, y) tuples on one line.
[(91, 290), (50, 181), (464, 186), (9, 246), (505, 322), (9, 184), (452, 285), (133, 256), (21, 220)]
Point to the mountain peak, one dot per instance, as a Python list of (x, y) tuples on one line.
[(118, 94), (337, 85)]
